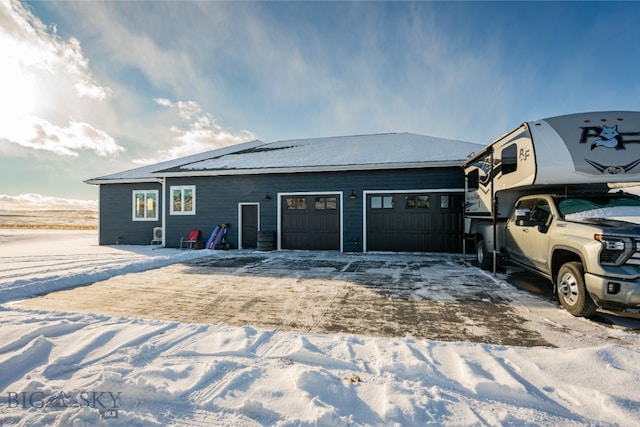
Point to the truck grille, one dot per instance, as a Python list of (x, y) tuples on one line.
[(635, 258)]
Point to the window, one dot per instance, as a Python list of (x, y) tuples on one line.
[(523, 210), (183, 200), (509, 159), (381, 202), (326, 203), (410, 201), (422, 201), (416, 202), (145, 205), (542, 212), (445, 203), (296, 203), (473, 179)]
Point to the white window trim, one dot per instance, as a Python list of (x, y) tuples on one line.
[(182, 188), (133, 205)]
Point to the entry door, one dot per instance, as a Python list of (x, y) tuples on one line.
[(249, 226)]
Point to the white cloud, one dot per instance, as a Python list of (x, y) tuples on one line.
[(200, 133), (47, 87), (39, 134), (164, 102), (31, 201)]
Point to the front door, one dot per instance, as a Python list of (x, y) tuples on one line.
[(249, 220)]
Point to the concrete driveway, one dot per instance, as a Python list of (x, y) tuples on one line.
[(425, 296)]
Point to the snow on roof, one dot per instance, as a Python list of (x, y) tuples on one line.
[(389, 150), (146, 173), (345, 152)]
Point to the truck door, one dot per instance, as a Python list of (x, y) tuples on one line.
[(527, 237)]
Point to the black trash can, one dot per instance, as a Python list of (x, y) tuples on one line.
[(265, 240)]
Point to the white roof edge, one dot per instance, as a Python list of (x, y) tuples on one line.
[(98, 181), (336, 168)]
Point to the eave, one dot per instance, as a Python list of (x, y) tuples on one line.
[(99, 181), (302, 169)]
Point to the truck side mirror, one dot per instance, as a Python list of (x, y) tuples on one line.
[(523, 217), (543, 228)]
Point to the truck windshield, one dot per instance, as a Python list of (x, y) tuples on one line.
[(600, 206)]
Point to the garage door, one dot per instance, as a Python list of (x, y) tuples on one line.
[(311, 222), (421, 222)]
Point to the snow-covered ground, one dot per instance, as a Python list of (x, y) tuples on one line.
[(91, 369)]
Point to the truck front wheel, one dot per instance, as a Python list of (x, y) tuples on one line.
[(572, 291), (483, 257)]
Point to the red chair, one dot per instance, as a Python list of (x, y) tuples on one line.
[(191, 239)]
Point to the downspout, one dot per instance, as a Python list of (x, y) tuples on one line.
[(99, 209), (163, 182)]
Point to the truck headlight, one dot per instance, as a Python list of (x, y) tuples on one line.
[(615, 250)]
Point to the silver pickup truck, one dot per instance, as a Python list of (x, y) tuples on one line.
[(586, 244)]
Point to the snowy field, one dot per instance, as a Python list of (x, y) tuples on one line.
[(62, 219), (65, 368)]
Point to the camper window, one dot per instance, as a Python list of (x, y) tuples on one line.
[(509, 159), (473, 179)]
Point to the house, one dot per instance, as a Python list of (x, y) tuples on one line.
[(384, 192)]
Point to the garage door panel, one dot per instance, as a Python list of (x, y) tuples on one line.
[(414, 222), (311, 222)]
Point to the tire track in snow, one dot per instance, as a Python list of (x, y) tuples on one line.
[(177, 349), (33, 355), (241, 369), (63, 267), (492, 378)]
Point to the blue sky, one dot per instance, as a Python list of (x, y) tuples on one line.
[(92, 88)]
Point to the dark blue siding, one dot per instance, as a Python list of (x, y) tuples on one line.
[(217, 201), (116, 207), (217, 198)]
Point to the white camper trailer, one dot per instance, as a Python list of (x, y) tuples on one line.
[(523, 193)]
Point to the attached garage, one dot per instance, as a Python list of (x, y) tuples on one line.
[(384, 192), (310, 221), (414, 221)]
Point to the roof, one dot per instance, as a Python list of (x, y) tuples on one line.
[(147, 173), (380, 151)]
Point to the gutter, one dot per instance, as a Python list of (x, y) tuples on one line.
[(158, 176), (301, 169), (98, 181), (164, 213)]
